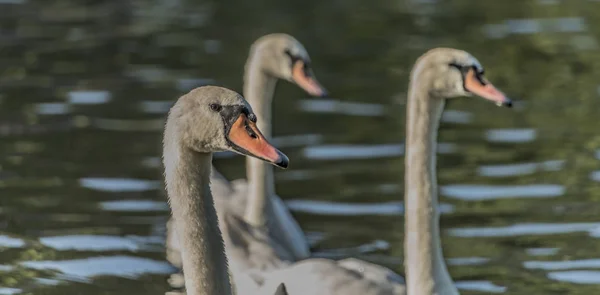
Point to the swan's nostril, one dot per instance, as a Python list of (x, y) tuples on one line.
[(251, 132)]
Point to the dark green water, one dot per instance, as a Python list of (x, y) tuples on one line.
[(85, 85)]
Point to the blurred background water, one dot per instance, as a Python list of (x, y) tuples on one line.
[(85, 87)]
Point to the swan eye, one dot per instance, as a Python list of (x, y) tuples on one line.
[(306, 69), (252, 118), (292, 57), (461, 68), (216, 107)]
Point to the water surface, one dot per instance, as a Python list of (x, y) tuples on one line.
[(85, 87)]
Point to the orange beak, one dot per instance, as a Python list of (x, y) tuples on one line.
[(481, 87), (248, 140), (308, 83)]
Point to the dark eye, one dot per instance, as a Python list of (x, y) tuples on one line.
[(252, 118), (479, 75), (461, 68), (215, 107), (292, 57), (288, 53), (306, 69)]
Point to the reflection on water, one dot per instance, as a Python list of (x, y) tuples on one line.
[(456, 117), (349, 152), (9, 242), (85, 88), (90, 243), (120, 266), (341, 107), (134, 205), (542, 251), (52, 108), (518, 169), (487, 192), (88, 97), (9, 291), (119, 184), (576, 276), (482, 286), (562, 265), (346, 209), (525, 229), (510, 135)]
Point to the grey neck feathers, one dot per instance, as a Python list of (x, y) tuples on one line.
[(424, 263), (259, 87), (187, 180)]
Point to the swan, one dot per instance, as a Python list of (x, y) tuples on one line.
[(253, 204), (206, 120), (272, 57), (437, 75)]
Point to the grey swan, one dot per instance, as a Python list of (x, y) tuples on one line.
[(439, 74), (206, 120), (259, 230)]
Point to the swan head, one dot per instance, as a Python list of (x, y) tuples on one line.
[(285, 58), (212, 119), (450, 73)]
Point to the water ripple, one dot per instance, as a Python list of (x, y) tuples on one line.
[(482, 286), (156, 107), (468, 260), (562, 265), (88, 97), (8, 242), (576, 276), (6, 268), (542, 251), (533, 229), (134, 206), (350, 151), (119, 184), (9, 291), (519, 169), (128, 125), (489, 192), (353, 209), (52, 108), (120, 266), (511, 135), (90, 243), (456, 117), (341, 107)]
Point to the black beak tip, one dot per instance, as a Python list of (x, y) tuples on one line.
[(283, 161), (508, 103), (324, 94)]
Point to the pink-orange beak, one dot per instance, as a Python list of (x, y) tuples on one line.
[(481, 87), (306, 81), (250, 142)]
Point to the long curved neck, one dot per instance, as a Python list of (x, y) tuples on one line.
[(258, 90), (203, 254), (426, 272)]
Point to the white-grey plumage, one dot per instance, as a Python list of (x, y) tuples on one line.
[(206, 120), (439, 74), (269, 233)]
